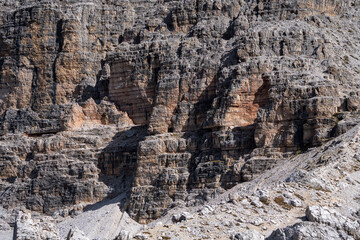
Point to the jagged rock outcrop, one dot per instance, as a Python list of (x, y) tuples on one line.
[(220, 91), (27, 228), (306, 230), (334, 219), (248, 235), (66, 117), (324, 223)]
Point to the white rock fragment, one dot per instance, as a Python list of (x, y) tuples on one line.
[(77, 234), (184, 216), (296, 202), (247, 235), (206, 210), (124, 235), (257, 221)]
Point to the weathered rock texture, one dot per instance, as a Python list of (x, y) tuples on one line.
[(324, 223), (220, 90), (27, 228), (275, 204)]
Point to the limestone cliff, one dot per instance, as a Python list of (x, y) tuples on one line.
[(172, 102)]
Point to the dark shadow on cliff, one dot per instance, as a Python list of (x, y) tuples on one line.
[(120, 199), (118, 163), (262, 94), (211, 147), (83, 91), (215, 142)]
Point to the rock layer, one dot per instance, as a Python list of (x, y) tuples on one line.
[(220, 92)]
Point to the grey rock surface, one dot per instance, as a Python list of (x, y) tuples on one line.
[(306, 231), (248, 235), (76, 234), (27, 228), (334, 219)]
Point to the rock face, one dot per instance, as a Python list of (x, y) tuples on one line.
[(52, 51), (244, 90), (324, 178), (219, 91)]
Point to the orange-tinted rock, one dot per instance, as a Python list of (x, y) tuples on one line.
[(222, 91)]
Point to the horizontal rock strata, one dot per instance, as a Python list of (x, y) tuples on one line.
[(177, 100)]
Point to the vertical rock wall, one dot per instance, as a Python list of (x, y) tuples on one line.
[(220, 91)]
